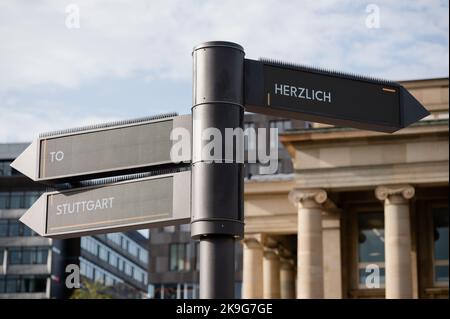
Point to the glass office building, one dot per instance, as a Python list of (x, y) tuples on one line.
[(34, 267)]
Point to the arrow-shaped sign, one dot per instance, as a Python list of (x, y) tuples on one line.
[(292, 91), (99, 151), (132, 204)]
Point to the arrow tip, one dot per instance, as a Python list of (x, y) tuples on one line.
[(413, 110), (26, 161), (35, 217)]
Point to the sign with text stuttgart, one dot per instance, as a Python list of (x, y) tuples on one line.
[(104, 150), (292, 91), (131, 204)]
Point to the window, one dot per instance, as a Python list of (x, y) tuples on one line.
[(98, 275), (130, 245), (185, 228), (188, 258), (282, 126), (143, 256), (26, 231), (173, 258), (109, 281), (41, 256), (370, 246), (12, 284), (18, 200), (27, 255), (113, 259), (93, 272), (133, 249), (249, 143), (441, 245), (114, 237), (14, 228), (128, 269), (169, 229), (6, 169), (30, 198), (180, 257), (121, 264), (14, 256), (103, 253), (33, 284), (3, 228), (23, 284), (4, 200), (90, 245), (89, 271), (124, 243), (106, 254), (2, 252)]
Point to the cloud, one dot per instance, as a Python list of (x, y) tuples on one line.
[(153, 39), (22, 124), (119, 38)]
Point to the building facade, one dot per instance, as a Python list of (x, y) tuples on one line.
[(365, 214), (174, 264), (118, 261), (28, 261), (34, 267), (174, 256)]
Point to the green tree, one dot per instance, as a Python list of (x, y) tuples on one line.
[(91, 290)]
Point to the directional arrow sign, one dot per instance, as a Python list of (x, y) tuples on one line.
[(134, 204), (287, 90), (99, 151)]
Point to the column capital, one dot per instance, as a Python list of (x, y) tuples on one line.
[(271, 254), (397, 193), (252, 243), (287, 264), (308, 198)]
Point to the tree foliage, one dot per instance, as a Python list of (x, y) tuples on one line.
[(91, 290)]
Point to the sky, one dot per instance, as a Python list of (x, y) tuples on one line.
[(69, 63)]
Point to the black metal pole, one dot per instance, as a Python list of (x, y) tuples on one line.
[(217, 181)]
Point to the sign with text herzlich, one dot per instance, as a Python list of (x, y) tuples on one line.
[(292, 91), (99, 151), (131, 204)]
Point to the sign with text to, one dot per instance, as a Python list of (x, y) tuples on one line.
[(100, 152)]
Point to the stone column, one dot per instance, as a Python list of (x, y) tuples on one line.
[(332, 258), (252, 274), (271, 274), (397, 235), (309, 247), (287, 279)]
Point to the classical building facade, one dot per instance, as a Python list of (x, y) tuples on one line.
[(365, 214)]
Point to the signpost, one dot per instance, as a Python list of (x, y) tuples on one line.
[(299, 92), (224, 85), (132, 204), (99, 151)]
